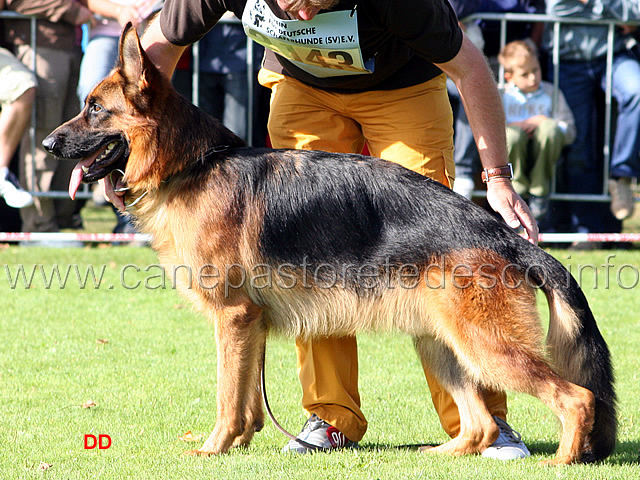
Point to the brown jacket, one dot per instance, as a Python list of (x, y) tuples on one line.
[(58, 22)]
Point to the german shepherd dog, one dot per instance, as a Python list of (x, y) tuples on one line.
[(310, 244)]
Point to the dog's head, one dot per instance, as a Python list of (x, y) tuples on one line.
[(115, 116)]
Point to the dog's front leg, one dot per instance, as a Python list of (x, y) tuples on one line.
[(254, 413), (240, 336)]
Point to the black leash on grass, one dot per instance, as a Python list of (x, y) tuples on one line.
[(310, 446)]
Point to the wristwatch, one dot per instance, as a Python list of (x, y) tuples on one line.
[(497, 172)]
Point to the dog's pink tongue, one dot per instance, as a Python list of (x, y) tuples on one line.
[(76, 180), (77, 175)]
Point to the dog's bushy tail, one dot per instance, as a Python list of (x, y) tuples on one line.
[(578, 351)]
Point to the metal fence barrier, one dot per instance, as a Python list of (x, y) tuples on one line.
[(502, 18)]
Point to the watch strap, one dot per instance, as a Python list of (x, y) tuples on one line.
[(497, 172)]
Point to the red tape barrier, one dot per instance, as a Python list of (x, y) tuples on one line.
[(140, 237), (73, 237)]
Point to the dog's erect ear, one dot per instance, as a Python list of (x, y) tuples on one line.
[(135, 66)]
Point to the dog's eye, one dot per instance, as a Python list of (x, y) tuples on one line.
[(95, 108)]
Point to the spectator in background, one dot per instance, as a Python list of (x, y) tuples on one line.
[(582, 74), (17, 93), (57, 64), (223, 87), (100, 55), (101, 51), (537, 131), (486, 36)]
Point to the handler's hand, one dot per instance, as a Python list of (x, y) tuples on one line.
[(504, 200), (110, 193)]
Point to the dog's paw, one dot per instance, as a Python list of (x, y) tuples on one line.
[(241, 442), (198, 453), (426, 448), (566, 460)]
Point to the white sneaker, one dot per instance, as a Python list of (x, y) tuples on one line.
[(508, 446), (319, 433), (14, 195)]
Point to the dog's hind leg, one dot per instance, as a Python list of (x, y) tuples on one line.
[(574, 406), (478, 430), (502, 355), (528, 372), (241, 336)]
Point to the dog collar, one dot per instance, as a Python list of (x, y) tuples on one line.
[(125, 189)]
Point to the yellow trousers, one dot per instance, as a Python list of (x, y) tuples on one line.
[(411, 126)]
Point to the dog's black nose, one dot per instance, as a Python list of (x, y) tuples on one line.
[(49, 144)]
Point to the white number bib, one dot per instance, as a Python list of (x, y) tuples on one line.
[(326, 46)]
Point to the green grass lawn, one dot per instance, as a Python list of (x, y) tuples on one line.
[(148, 362)]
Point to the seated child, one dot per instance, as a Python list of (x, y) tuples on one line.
[(537, 130)]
